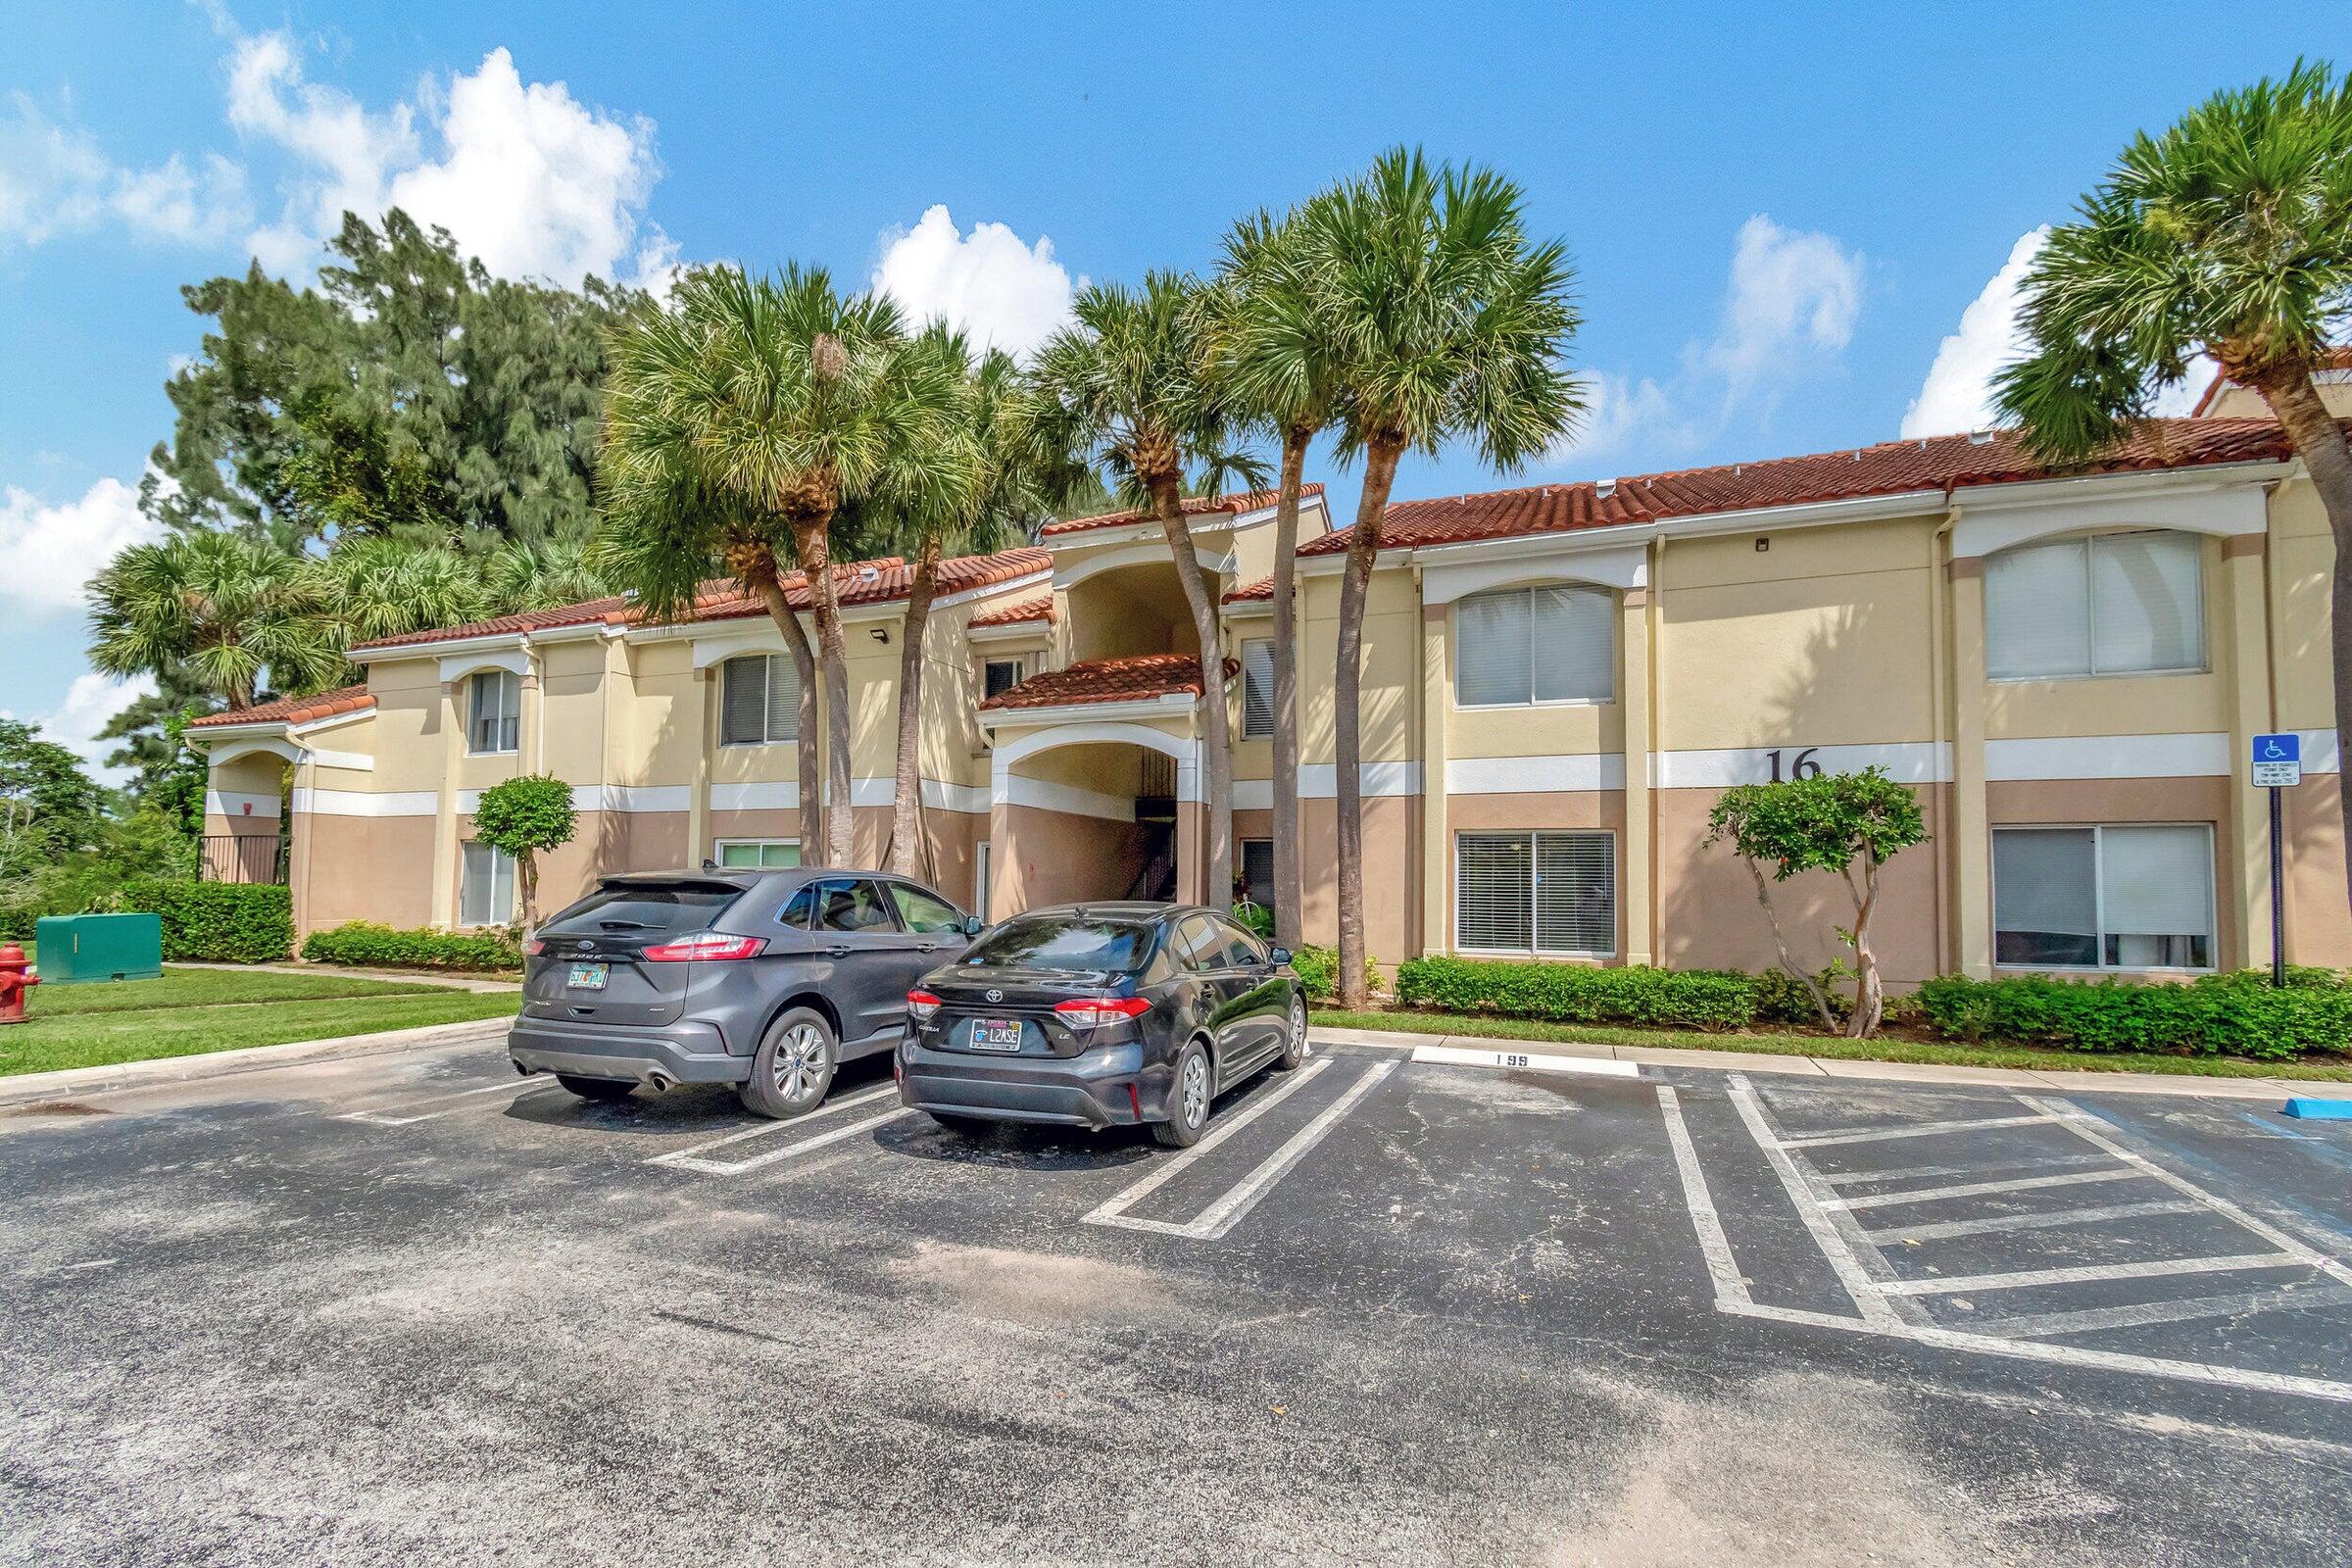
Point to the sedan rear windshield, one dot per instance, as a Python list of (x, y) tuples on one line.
[(1065, 942), (661, 907)]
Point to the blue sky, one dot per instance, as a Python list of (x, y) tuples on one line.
[(1792, 224)]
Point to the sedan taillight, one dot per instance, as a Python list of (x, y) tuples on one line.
[(705, 946), (1092, 1012), (921, 1005)]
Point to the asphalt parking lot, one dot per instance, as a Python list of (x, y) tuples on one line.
[(409, 1309)]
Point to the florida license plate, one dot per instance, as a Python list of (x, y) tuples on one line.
[(588, 976), (996, 1034)]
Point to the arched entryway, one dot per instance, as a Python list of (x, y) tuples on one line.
[(1084, 812)]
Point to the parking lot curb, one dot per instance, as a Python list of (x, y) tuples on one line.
[(74, 1082), (2058, 1081)]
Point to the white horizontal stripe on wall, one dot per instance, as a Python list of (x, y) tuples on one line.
[(1534, 775), (2205, 755), (1047, 796), (1320, 781), (2320, 754), (230, 803), (631, 797), (1906, 761), (363, 802)]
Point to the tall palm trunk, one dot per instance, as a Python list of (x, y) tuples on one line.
[(1363, 548), (1167, 505), (1290, 885), (2320, 442), (907, 802), (812, 543), (809, 760)]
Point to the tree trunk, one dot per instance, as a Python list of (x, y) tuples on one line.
[(1168, 505), (1363, 550), (1779, 944), (1870, 992), (1290, 885), (813, 547), (907, 802), (526, 871), (809, 760), (2320, 442)]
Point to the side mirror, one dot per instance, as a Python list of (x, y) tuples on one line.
[(973, 926), (1280, 957)]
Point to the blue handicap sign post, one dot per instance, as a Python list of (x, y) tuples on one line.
[(2277, 765)]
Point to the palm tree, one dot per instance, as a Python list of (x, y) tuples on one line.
[(2230, 235), (1284, 368), (1129, 383), (781, 399), (227, 610), (540, 574), (1453, 323), (1011, 480), (379, 587)]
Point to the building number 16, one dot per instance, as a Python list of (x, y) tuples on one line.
[(1800, 765)]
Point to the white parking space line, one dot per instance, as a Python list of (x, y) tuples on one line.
[(384, 1116), (1731, 1287), (1228, 1210), (2009, 1184), (2140, 1315), (691, 1158), (1113, 1209), (1907, 1173), (1924, 1129), (2002, 1224), (2026, 1279), (1812, 1202)]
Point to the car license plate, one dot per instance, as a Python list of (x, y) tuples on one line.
[(996, 1034), (588, 976)]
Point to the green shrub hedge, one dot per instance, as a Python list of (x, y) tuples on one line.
[(381, 946), (1318, 971), (2238, 1014), (1681, 998), (216, 922)]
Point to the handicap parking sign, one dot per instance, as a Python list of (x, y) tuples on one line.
[(2277, 761)]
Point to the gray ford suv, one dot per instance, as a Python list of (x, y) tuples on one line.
[(767, 980)]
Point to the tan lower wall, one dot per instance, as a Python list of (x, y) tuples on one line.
[(1391, 875), (1041, 858), (2319, 919), (363, 869)]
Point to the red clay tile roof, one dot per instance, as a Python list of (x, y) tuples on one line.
[(1108, 680), (1894, 468), (1019, 612), (2338, 359), (293, 709), (1249, 501), (721, 600), (1259, 592)]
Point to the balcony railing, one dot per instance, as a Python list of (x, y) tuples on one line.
[(242, 858)]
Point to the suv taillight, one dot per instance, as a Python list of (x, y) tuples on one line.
[(1091, 1013), (921, 1005), (705, 946), (534, 948)]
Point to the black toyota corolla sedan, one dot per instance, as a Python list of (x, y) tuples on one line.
[(1100, 1016)]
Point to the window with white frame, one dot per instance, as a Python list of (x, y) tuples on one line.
[(1000, 676), (486, 887), (1549, 893), (2114, 896), (1258, 688), (494, 712), (2114, 603), (759, 700), (1518, 646), (758, 855)]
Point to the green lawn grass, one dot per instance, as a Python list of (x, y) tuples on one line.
[(191, 1011), (1936, 1052)]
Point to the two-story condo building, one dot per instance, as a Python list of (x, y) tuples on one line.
[(1559, 682)]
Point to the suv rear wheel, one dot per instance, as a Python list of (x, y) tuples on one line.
[(793, 1067)]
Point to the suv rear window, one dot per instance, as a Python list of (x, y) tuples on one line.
[(1065, 942), (664, 907)]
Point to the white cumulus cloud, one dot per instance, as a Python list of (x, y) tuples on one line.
[(90, 702), (526, 176), (1003, 292), (55, 178), (48, 551), (1957, 394)]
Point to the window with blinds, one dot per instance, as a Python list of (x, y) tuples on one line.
[(486, 886), (1535, 645), (494, 712), (759, 700), (2114, 603), (1257, 689), (2123, 896), (1553, 893)]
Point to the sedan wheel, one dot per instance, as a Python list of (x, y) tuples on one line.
[(794, 1066), (1188, 1100), (1293, 1035)]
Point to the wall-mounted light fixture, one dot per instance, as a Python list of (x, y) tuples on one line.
[(881, 634)]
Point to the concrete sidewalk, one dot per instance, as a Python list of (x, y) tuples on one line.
[(70, 1082), (2058, 1082)]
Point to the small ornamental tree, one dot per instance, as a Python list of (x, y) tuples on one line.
[(1849, 823), (520, 817)]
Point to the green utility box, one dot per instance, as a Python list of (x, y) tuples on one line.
[(74, 947)]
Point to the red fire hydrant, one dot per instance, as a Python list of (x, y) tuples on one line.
[(16, 979)]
